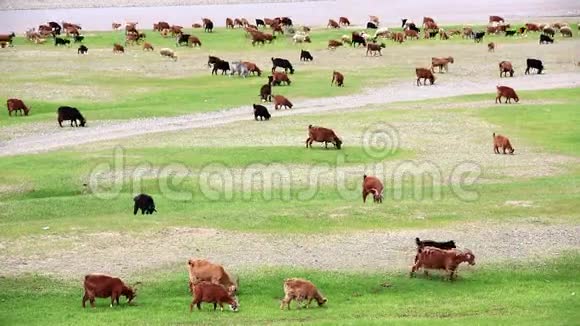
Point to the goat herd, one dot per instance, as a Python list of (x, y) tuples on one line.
[(209, 282)]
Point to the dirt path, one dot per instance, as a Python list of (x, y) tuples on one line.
[(51, 139), (127, 254)]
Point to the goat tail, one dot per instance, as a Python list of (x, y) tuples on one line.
[(418, 241)]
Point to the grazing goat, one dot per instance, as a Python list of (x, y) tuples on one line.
[(104, 286), (505, 67), (212, 293), (321, 134), (72, 114), (239, 68), (532, 27), (281, 101), (372, 185), (510, 33), (78, 38), (549, 31), (374, 48), (147, 46), (300, 290), (411, 34), (545, 39), (222, 65), (566, 31), (357, 39), (332, 24), (279, 77), (425, 74), (371, 25), (448, 260), (260, 22), (491, 47), (502, 142), (442, 63), (534, 64), (337, 78), (118, 48), (60, 41), (144, 203), (333, 44), (82, 50), (16, 105), (282, 63), (266, 90), (253, 68), (508, 93), (261, 112), (166, 52), (305, 56), (204, 270), (229, 23)]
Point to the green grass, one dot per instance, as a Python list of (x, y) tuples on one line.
[(538, 294)]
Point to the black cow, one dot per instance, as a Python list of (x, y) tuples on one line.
[(478, 37), (261, 111), (510, 33), (144, 203), (222, 65), (266, 90), (82, 49), (182, 38), (371, 25), (208, 27), (72, 114), (56, 28), (60, 41), (358, 40), (79, 38), (545, 39), (282, 63), (260, 22), (305, 56), (534, 64)]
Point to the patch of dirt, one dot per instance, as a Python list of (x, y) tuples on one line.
[(132, 254)]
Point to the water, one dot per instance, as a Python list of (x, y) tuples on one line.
[(306, 13)]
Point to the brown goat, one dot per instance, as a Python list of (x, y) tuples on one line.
[(332, 24), (104, 286), (212, 293), (279, 77), (252, 67), (533, 27), (194, 41), (507, 92), (281, 101), (147, 46), (505, 67), (229, 23), (374, 48), (204, 270), (344, 21), (372, 185), (442, 63), (424, 73), (448, 260), (337, 78), (502, 142), (300, 290), (411, 34), (266, 90), (118, 48), (398, 37), (16, 105), (491, 47), (333, 44), (321, 134)]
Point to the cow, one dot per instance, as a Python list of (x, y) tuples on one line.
[(253, 68), (169, 53), (60, 41), (344, 21), (207, 25), (118, 48), (442, 63), (505, 67), (16, 105), (502, 142), (229, 23), (357, 40), (333, 44), (212, 293), (279, 77), (281, 101), (239, 68), (103, 286), (282, 63), (144, 203), (300, 289), (374, 48), (478, 37), (204, 270), (147, 46), (305, 56), (425, 74), (496, 19), (491, 47), (337, 78), (321, 134), (72, 114), (222, 65), (545, 39), (448, 260), (508, 93), (261, 112), (534, 64), (372, 185), (332, 24), (266, 90), (82, 50)]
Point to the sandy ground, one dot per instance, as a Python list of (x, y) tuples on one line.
[(131, 254)]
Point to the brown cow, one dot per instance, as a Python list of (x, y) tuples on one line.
[(252, 67), (279, 77), (502, 142), (118, 48), (424, 73), (372, 185), (332, 24), (344, 21), (504, 68), (374, 48), (532, 27), (497, 19), (491, 47), (442, 63), (204, 270), (333, 44), (229, 23), (16, 105), (147, 46), (435, 258), (212, 293), (281, 101), (104, 286), (300, 289), (337, 78), (507, 92), (321, 134)]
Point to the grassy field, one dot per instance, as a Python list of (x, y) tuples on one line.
[(539, 294)]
